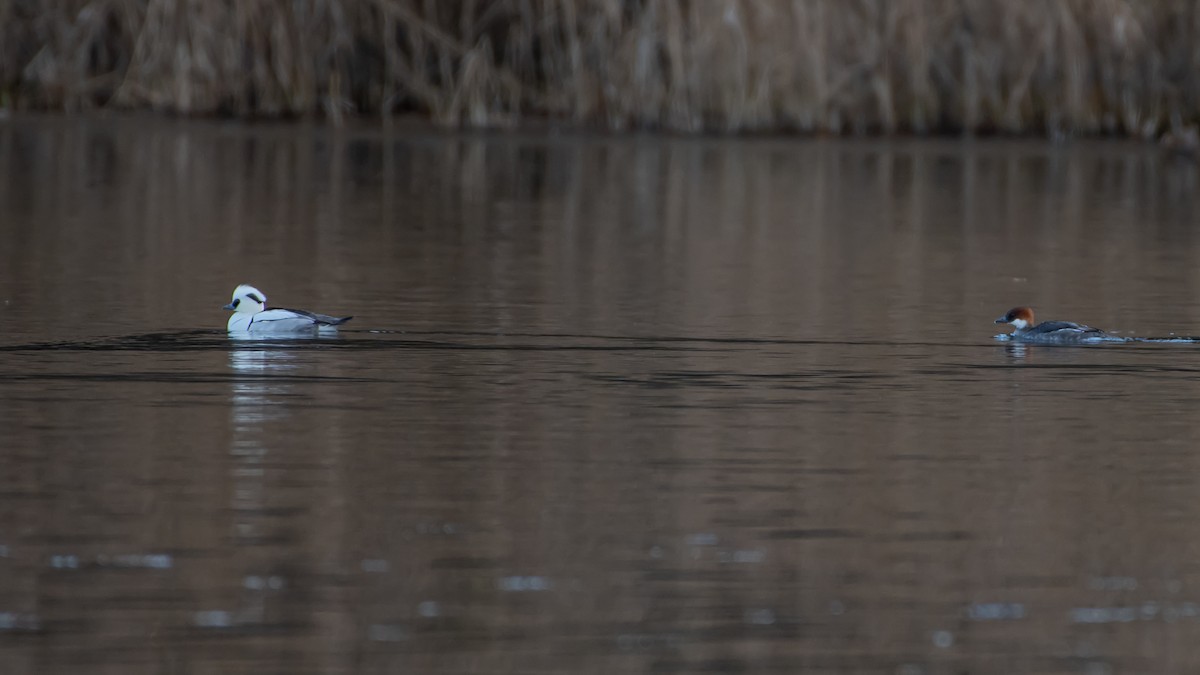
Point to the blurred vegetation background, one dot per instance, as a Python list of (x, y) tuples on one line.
[(1043, 67)]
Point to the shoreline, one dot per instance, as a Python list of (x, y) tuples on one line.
[(415, 125)]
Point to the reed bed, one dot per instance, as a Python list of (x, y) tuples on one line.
[(813, 66)]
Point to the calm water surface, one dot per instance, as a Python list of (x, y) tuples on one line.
[(631, 405)]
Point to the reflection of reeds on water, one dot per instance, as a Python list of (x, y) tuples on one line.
[(811, 65)]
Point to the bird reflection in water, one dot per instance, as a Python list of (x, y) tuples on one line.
[(1018, 350), (258, 389)]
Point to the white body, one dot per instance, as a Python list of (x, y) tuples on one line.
[(275, 321), (251, 316)]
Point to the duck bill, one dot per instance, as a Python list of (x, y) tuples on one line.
[(229, 307), (1000, 320)]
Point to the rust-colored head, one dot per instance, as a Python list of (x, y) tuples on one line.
[(1019, 317)]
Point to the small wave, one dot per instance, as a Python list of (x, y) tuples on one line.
[(1169, 340)]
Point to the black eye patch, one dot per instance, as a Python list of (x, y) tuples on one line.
[(254, 297), (236, 303)]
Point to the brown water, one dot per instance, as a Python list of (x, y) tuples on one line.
[(607, 405)]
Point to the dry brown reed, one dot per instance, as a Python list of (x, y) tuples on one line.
[(824, 66)]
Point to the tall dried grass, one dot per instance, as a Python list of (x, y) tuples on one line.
[(831, 66)]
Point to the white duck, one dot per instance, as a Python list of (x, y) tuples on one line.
[(250, 315)]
